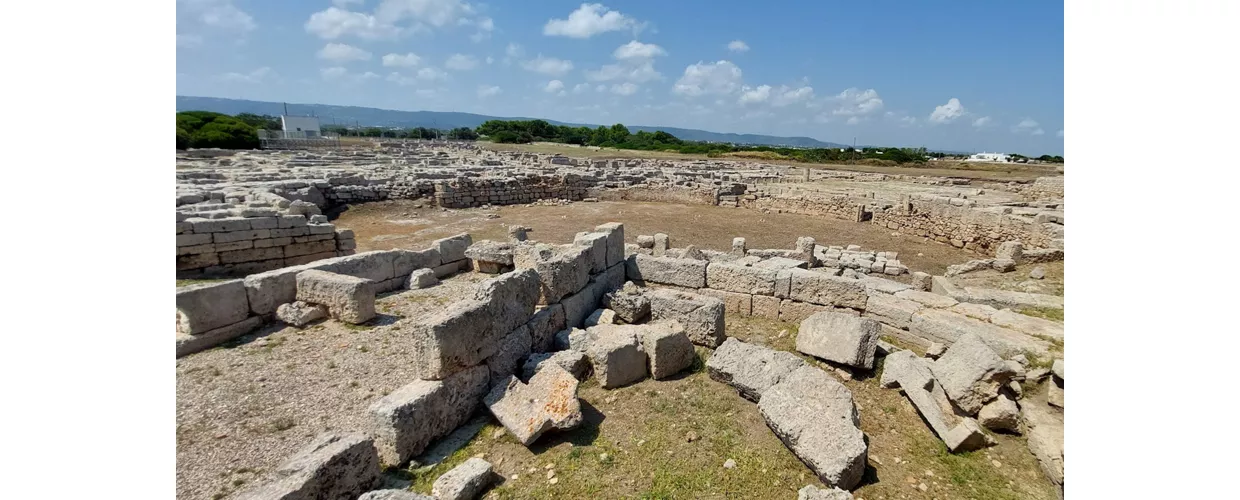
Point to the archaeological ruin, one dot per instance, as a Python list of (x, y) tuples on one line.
[(310, 369)]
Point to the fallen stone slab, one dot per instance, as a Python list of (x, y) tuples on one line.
[(1027, 324), (1044, 428), (816, 418), (573, 361), (189, 344), (912, 375), (1057, 368), (1054, 393), (749, 368), (1012, 299), (548, 402), (393, 495), (468, 332), (332, 466), (629, 303), (971, 373), (453, 248), (839, 337), (409, 418), (348, 298), (688, 273), (464, 482), (891, 310), (943, 326), (490, 257), (702, 316), (422, 278), (1002, 414), (616, 355), (667, 348), (299, 314), (810, 492), (980, 312), (209, 306), (927, 299)]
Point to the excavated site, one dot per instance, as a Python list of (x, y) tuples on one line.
[(411, 320)]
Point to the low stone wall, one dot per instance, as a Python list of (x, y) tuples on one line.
[(237, 246), (469, 192)]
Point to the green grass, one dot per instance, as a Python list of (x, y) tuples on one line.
[(1043, 312), (181, 283)]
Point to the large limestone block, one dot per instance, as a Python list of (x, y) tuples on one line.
[(765, 307), (509, 355), (579, 306), (573, 361), (453, 248), (1027, 324), (1044, 426), (816, 418), (405, 262), (971, 373), (667, 347), (943, 326), (189, 344), (597, 243), (543, 327), (912, 375), (615, 241), (468, 332), (377, 266), (750, 369), (299, 314), (811, 492), (511, 296), (891, 310), (1000, 415), (903, 369), (409, 418), (740, 279), (548, 402), (348, 298), (702, 317), (792, 311), (616, 355), (839, 337), (564, 273), (629, 303), (209, 306), (332, 466), (464, 482), (688, 273), (824, 289), (733, 302)]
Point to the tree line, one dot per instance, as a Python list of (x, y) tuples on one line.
[(456, 134)]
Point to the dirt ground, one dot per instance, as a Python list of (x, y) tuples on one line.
[(670, 439), (1018, 281), (399, 224), (981, 171)]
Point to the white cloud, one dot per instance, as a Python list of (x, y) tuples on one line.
[(852, 120), (548, 66), (485, 91), (514, 50), (1059, 133), (907, 121), (402, 60), (856, 102), (334, 23), (640, 73), (703, 78), (600, 88), (431, 74), (392, 18), (188, 41), (339, 74), (490, 60), (588, 20), (750, 95), (581, 87), (554, 86), (400, 79), (259, 75), (221, 14), (785, 95), (461, 62), (344, 4), (738, 46), (625, 89), (1028, 126), (339, 52), (637, 51), (982, 122), (947, 113), (485, 26), (437, 13)]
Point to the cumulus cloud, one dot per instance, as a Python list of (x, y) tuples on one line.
[(334, 23), (485, 91), (982, 122), (392, 18), (784, 95), (738, 46), (752, 95), (339, 52), (548, 66), (588, 20), (344, 4), (637, 51), (947, 113), (220, 14), (625, 89), (461, 62), (717, 78), (581, 87), (431, 74), (553, 87), (1028, 126), (259, 75), (402, 60), (857, 103), (340, 74)]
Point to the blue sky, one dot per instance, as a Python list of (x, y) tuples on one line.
[(959, 75)]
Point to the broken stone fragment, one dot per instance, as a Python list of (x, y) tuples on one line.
[(527, 411)]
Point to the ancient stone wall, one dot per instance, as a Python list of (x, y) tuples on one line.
[(467, 192), (237, 246)]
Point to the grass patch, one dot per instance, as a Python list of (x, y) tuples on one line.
[(181, 283), (282, 424), (1044, 313)]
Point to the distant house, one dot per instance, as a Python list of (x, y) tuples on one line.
[(990, 157), (300, 127)]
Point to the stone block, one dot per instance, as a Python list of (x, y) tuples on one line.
[(922, 281), (224, 225), (600, 317), (509, 355), (573, 361), (421, 278), (332, 466), (578, 306), (291, 221), (616, 355), (300, 314), (189, 344), (249, 234), (453, 248), (816, 418), (945, 327), (252, 254), (662, 242), (465, 482), (348, 298), (750, 369), (667, 270), (615, 241), (469, 331), (839, 337), (735, 303), (543, 326), (826, 290), (264, 223), (810, 492), (892, 310), (765, 307), (792, 311), (268, 290), (408, 419), (740, 279), (597, 243), (1000, 415), (328, 229), (548, 402), (914, 377), (449, 268), (208, 306), (186, 240), (629, 303), (971, 373), (667, 348), (645, 241), (564, 273), (1027, 324), (377, 266), (702, 317), (408, 261)]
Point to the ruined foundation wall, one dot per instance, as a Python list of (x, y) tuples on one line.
[(237, 246)]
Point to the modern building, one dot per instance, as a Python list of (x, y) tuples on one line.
[(301, 127), (990, 157)]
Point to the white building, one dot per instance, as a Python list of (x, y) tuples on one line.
[(301, 127), (990, 157)]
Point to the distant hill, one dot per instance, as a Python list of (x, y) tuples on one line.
[(374, 117)]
